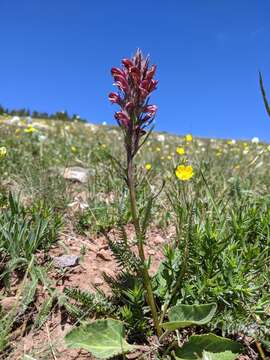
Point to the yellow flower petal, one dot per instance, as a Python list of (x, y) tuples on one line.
[(180, 150), (188, 138), (184, 172)]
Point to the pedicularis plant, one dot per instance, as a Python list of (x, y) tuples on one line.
[(104, 338), (135, 82)]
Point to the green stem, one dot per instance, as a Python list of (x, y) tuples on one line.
[(184, 265), (139, 235)]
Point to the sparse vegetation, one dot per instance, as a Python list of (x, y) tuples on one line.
[(202, 211)]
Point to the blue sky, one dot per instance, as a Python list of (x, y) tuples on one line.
[(57, 55)]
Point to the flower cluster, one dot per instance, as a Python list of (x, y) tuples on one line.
[(135, 82)]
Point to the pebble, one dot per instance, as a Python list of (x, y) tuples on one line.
[(66, 261)]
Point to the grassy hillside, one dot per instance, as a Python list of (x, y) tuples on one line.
[(211, 230)]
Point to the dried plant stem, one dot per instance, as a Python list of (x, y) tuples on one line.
[(140, 239)]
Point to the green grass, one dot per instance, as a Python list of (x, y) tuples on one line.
[(221, 248)]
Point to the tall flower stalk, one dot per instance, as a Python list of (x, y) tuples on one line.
[(135, 82)]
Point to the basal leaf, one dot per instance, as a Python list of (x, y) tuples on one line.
[(102, 338), (225, 355), (181, 316), (198, 345)]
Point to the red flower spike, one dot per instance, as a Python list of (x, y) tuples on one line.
[(135, 81)]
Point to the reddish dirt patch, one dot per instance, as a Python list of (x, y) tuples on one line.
[(47, 343)]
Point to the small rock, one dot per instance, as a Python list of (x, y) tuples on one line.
[(66, 261), (76, 173), (8, 303), (104, 255), (98, 281)]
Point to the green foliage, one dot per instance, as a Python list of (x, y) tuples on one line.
[(195, 346), (44, 312), (181, 316), (22, 233), (220, 258), (103, 338), (226, 355), (219, 253), (86, 304)]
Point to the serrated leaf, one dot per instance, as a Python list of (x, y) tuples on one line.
[(102, 338), (181, 316), (225, 355), (28, 293), (44, 312), (210, 343)]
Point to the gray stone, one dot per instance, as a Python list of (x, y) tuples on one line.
[(66, 261)]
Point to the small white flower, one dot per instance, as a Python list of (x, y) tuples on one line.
[(161, 138), (42, 137), (255, 140)]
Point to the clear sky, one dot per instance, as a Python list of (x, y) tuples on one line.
[(57, 54)]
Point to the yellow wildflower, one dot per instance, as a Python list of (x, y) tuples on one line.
[(148, 167), (30, 129), (158, 149), (17, 131), (188, 138), (180, 150), (169, 157), (3, 151), (183, 172)]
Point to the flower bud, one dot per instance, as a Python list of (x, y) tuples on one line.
[(122, 118), (114, 98)]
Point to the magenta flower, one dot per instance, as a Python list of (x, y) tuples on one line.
[(135, 83)]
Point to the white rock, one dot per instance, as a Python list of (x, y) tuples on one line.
[(76, 173)]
